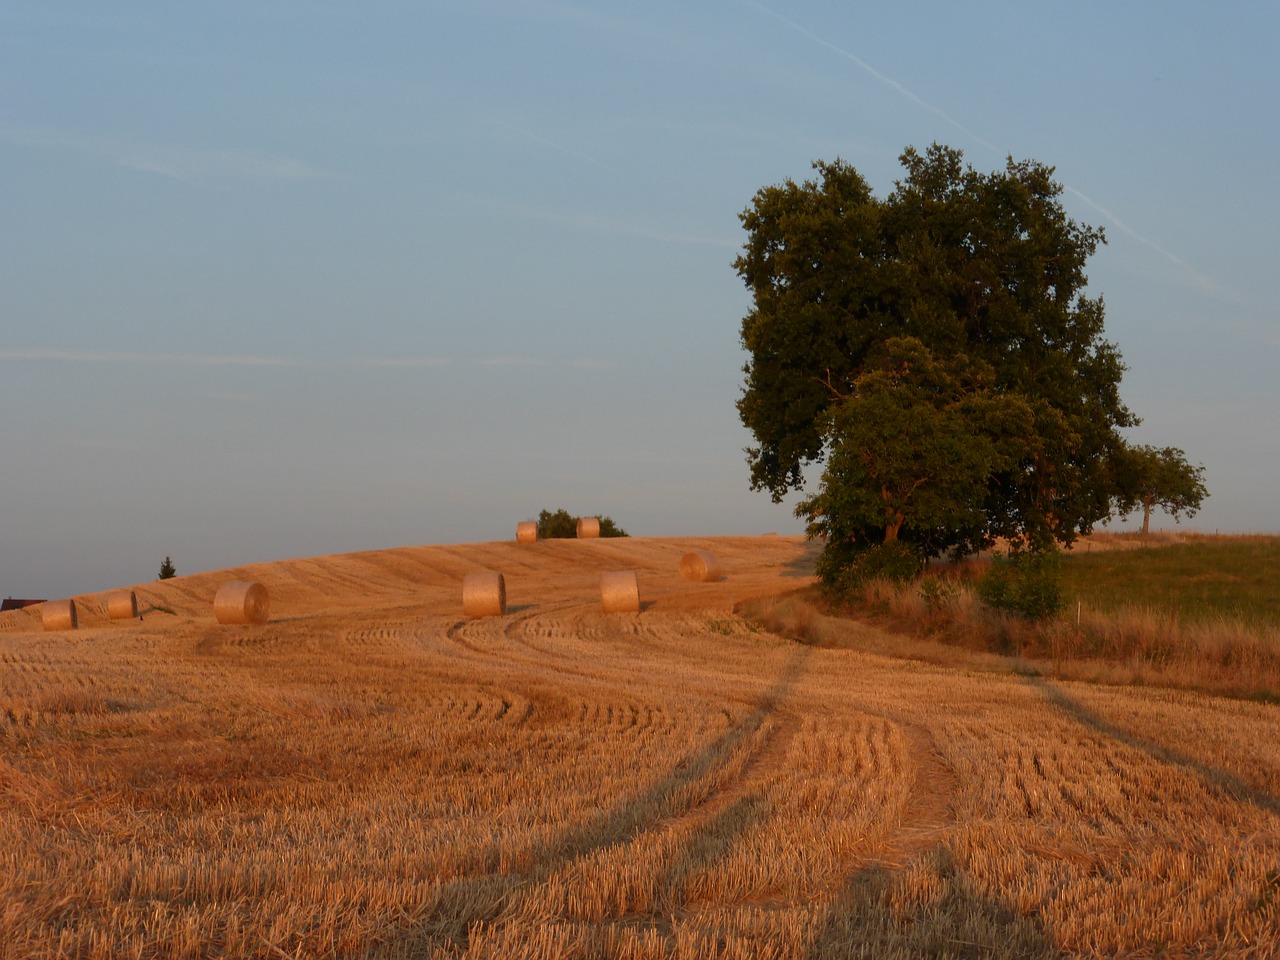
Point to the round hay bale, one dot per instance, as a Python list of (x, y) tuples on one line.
[(588, 527), (527, 531), (701, 566), (122, 605), (241, 601), (484, 594), (619, 592), (59, 615)]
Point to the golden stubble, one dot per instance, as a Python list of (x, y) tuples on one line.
[(372, 774)]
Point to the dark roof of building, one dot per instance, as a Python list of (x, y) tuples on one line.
[(12, 603)]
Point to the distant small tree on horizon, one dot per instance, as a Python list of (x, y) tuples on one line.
[(167, 570), (562, 525), (1160, 477)]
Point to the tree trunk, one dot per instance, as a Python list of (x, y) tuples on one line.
[(891, 529), (894, 517), (1146, 516)]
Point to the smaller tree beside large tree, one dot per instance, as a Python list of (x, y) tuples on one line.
[(1160, 477), (912, 449)]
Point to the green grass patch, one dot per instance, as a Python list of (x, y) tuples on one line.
[(1199, 580)]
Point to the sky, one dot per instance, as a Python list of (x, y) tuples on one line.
[(284, 278)]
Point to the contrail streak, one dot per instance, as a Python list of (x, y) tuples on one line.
[(888, 81), (1198, 279)]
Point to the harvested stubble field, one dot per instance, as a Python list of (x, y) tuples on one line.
[(372, 775)]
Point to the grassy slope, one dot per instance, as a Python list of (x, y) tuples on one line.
[(1199, 579)]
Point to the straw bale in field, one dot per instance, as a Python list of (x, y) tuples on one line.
[(241, 601), (122, 605), (484, 594), (701, 566), (59, 615), (527, 531), (588, 527), (619, 592)]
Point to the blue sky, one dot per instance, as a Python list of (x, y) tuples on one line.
[(288, 278)]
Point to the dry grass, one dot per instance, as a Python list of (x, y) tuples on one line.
[(373, 775), (1187, 646), (793, 616)]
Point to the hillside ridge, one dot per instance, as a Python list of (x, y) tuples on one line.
[(427, 579)]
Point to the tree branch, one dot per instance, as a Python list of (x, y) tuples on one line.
[(830, 386)]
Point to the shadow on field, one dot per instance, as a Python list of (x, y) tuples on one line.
[(879, 914), (729, 814), (636, 814), (803, 565), (487, 897), (1214, 777)]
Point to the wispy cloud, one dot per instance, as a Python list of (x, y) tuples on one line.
[(558, 147), (213, 359), (510, 361), (591, 17), (582, 363), (201, 166), (409, 363), (194, 165), (168, 359), (242, 360), (589, 363), (115, 445), (596, 223)]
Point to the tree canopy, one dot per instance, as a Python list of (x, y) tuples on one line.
[(936, 348)]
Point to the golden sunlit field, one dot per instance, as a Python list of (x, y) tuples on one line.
[(372, 775)]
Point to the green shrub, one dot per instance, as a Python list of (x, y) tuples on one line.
[(562, 525), (845, 570), (1024, 582)]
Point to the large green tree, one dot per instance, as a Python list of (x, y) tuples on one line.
[(986, 267), (1161, 477)]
